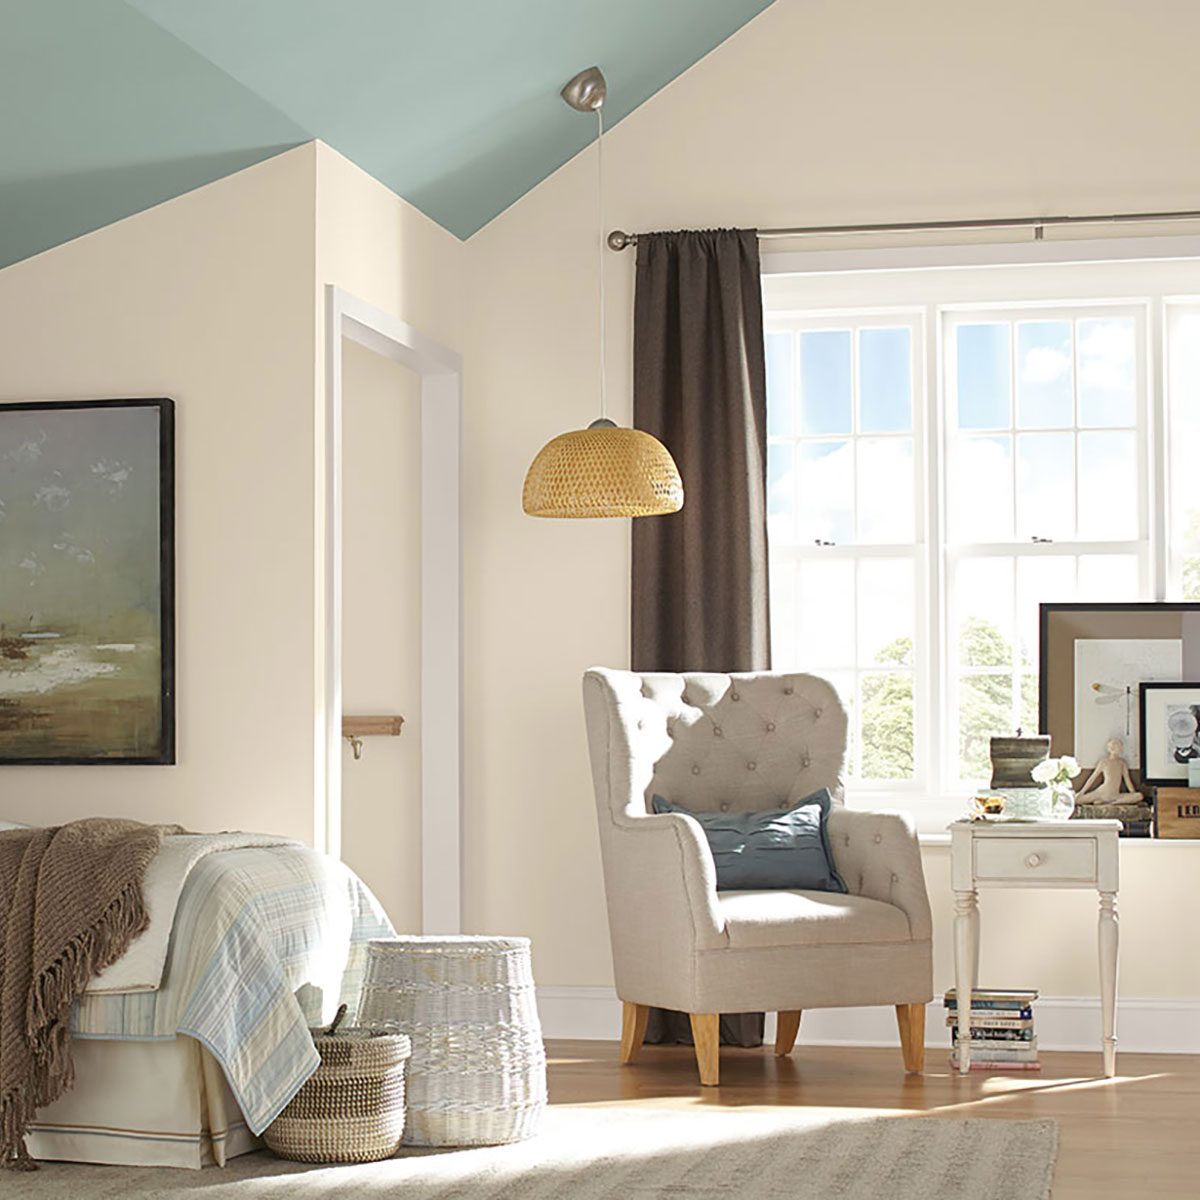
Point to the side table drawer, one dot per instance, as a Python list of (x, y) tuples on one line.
[(1054, 860)]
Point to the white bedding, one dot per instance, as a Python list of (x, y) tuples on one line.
[(266, 941), (143, 1104), (140, 968)]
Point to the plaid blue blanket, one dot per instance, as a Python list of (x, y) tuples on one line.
[(266, 942)]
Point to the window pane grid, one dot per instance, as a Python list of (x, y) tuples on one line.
[(1183, 427), (1016, 475), (1061, 428), (847, 551)]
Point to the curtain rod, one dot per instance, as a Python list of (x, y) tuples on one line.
[(618, 239)]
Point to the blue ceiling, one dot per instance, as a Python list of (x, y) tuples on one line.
[(110, 106)]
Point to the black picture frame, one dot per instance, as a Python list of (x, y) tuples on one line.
[(1144, 690), (1140, 614), (165, 754)]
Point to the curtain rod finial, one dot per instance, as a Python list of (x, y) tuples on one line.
[(619, 239)]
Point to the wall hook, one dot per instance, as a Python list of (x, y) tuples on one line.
[(356, 744)]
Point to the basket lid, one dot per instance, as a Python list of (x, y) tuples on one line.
[(461, 943)]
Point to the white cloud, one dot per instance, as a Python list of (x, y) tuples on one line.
[(115, 474), (1045, 364), (80, 554), (54, 496), (1106, 355), (29, 450)]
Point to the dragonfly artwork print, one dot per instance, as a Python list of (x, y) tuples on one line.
[(1106, 693)]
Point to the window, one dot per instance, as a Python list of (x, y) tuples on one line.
[(1183, 386), (843, 450), (1045, 496), (948, 449)]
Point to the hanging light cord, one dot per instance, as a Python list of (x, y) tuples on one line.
[(600, 249)]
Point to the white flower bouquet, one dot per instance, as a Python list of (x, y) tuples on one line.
[(1051, 771), (1056, 774)]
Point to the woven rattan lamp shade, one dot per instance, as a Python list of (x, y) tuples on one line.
[(603, 471)]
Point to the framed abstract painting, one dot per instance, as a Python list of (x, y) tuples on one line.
[(87, 581)]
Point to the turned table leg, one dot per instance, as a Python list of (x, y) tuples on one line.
[(1108, 979), (966, 959)]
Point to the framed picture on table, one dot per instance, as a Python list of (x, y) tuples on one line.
[(1170, 732)]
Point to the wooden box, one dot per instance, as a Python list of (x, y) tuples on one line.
[(1177, 813)]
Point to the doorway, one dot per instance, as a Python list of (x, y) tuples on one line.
[(405, 646)]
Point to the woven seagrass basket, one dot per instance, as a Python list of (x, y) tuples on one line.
[(351, 1109)]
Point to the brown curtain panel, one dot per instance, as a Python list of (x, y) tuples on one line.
[(699, 385), (699, 584)]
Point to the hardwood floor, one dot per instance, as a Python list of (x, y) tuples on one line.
[(1137, 1135)]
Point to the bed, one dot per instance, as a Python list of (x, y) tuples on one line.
[(192, 1043)]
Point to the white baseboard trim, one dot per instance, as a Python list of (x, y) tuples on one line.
[(1145, 1026)]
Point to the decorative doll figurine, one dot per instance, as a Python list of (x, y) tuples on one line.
[(1106, 783)]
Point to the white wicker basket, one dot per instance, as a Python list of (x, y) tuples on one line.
[(478, 1070)]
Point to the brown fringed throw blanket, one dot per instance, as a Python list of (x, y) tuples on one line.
[(70, 904)]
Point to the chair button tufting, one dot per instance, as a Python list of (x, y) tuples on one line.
[(724, 805), (878, 838), (696, 770), (789, 690), (716, 731), (770, 726), (817, 712), (895, 878), (751, 766), (735, 695), (642, 725)]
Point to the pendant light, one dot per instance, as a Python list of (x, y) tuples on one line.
[(603, 470)]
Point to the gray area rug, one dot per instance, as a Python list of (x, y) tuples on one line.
[(630, 1153)]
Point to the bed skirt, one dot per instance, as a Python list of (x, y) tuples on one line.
[(162, 1103)]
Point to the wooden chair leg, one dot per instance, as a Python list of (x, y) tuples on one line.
[(706, 1033), (633, 1030), (911, 1020), (787, 1025)]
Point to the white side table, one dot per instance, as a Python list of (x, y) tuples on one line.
[(1043, 854)]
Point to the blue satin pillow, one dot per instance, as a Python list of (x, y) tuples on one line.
[(780, 849)]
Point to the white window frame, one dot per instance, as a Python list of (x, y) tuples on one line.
[(912, 319), (951, 317), (1176, 547), (1148, 275)]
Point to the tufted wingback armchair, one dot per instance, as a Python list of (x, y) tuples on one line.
[(746, 742)]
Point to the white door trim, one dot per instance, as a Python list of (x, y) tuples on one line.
[(440, 371)]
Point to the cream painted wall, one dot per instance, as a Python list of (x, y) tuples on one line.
[(380, 249), (817, 111), (206, 299), (381, 625), (217, 300)]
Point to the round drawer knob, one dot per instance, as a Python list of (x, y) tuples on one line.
[(1033, 860)]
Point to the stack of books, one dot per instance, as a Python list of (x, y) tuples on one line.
[(1137, 820), (1002, 1036)]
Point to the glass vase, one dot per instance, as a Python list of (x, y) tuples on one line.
[(1059, 801)]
